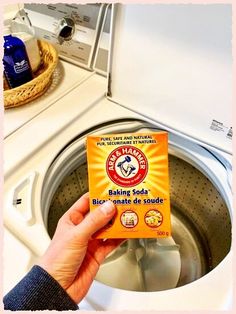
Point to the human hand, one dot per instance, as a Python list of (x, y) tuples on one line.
[(73, 257)]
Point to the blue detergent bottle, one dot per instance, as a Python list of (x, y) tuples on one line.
[(16, 64)]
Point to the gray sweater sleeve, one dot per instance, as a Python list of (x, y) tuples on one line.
[(38, 291)]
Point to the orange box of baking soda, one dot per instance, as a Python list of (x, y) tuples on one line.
[(131, 170)]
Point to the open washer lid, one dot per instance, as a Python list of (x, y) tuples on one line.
[(173, 64)]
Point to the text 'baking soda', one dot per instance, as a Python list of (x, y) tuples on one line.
[(131, 170)]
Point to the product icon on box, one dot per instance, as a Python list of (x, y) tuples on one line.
[(129, 219), (153, 218)]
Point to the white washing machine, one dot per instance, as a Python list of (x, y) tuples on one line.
[(88, 20), (169, 72)]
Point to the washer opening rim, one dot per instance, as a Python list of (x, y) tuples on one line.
[(56, 171), (75, 153)]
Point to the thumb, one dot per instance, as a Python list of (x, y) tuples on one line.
[(96, 219)]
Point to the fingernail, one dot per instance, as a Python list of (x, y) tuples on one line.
[(108, 207), (86, 195)]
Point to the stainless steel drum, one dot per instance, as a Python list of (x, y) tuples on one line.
[(201, 233)]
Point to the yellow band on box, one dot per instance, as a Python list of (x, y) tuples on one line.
[(131, 170)]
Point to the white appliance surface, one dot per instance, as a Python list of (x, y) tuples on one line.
[(63, 82), (178, 73), (28, 169), (75, 108)]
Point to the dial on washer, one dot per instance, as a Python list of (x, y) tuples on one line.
[(66, 29)]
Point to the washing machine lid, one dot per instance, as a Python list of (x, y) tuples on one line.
[(173, 64)]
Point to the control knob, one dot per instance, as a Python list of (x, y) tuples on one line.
[(66, 29)]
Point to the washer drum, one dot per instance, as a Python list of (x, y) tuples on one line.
[(201, 233)]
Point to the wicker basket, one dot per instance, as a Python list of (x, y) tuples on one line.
[(38, 85)]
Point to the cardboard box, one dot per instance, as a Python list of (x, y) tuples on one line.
[(132, 171)]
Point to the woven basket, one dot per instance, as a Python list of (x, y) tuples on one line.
[(25, 93)]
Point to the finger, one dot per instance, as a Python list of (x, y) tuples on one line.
[(95, 220), (109, 246), (77, 211), (101, 244), (100, 249)]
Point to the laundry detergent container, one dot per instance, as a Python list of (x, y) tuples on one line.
[(200, 217)]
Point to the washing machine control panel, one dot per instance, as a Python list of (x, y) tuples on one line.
[(73, 28)]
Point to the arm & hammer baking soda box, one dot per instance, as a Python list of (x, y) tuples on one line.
[(131, 170)]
